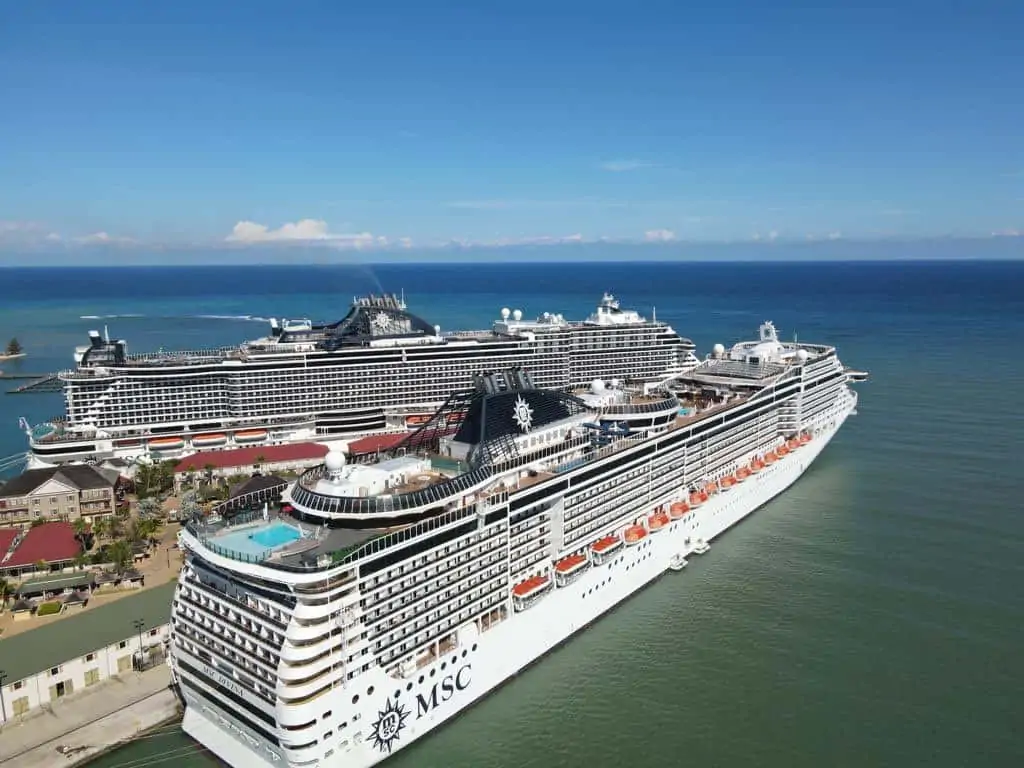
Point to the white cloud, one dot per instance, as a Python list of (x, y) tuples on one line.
[(53, 237), (621, 166), (103, 238), (835, 235), (304, 231), (659, 236), (1008, 233)]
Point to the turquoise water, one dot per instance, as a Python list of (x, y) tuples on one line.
[(871, 616), (257, 541)]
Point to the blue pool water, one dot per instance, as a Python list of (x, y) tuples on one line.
[(258, 540)]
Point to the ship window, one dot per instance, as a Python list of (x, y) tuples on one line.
[(369, 691), (326, 714), (355, 699)]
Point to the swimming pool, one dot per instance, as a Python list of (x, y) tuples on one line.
[(259, 539)]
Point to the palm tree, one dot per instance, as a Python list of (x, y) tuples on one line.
[(13, 347), (80, 561), (6, 590)]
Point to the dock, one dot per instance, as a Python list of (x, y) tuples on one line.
[(34, 383)]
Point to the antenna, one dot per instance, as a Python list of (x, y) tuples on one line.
[(106, 334), (654, 314)]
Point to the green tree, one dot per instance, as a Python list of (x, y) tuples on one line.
[(80, 561), (120, 554), (149, 507), (6, 591), (13, 347), (42, 565)]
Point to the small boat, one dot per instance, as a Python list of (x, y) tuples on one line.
[(702, 547), (657, 521), (417, 419), (526, 593), (531, 587), (728, 482), (793, 443), (677, 563), (678, 509), (166, 443), (210, 438), (571, 564), (570, 568), (695, 499), (742, 474), (710, 488), (782, 450), (805, 438), (770, 457), (634, 535), (606, 546), (249, 435)]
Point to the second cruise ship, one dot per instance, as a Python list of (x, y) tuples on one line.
[(377, 368)]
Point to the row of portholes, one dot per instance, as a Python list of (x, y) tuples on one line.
[(597, 587)]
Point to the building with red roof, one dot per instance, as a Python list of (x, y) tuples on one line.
[(265, 458), (368, 447), (52, 543)]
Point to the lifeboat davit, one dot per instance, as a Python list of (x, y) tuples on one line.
[(657, 521), (678, 509), (634, 534)]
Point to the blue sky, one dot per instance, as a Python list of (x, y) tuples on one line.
[(140, 126)]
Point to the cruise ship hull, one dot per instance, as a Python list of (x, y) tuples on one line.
[(468, 672)]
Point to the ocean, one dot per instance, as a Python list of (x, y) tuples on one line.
[(871, 616)]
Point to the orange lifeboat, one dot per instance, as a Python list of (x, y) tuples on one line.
[(793, 444), (634, 534), (728, 482), (805, 438), (605, 545), (695, 499), (770, 457), (742, 474), (532, 586), (571, 564), (657, 521), (678, 510)]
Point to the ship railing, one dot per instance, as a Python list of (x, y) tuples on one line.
[(305, 496)]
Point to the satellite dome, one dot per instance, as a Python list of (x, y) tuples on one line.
[(615, 383), (597, 385), (719, 350), (801, 355), (505, 312), (334, 461), (517, 315)]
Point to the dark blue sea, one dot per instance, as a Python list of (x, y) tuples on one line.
[(871, 616)]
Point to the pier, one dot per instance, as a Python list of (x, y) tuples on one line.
[(34, 383)]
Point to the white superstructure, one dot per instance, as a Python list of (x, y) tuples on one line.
[(379, 367), (381, 600)]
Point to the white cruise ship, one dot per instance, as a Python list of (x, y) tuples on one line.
[(381, 599), (379, 367)]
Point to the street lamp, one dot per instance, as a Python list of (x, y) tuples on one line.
[(139, 626), (3, 707)]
